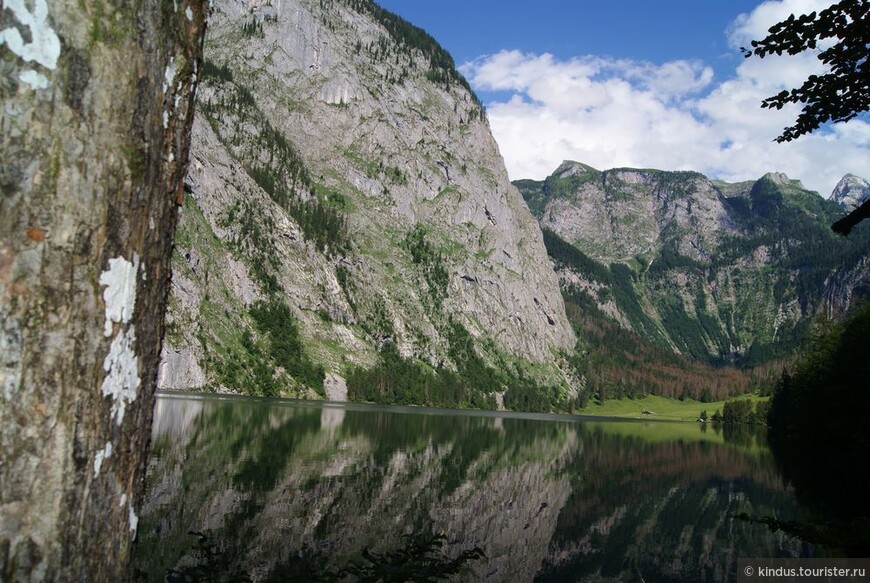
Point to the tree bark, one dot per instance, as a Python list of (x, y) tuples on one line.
[(96, 105)]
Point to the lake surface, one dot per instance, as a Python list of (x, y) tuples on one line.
[(243, 489)]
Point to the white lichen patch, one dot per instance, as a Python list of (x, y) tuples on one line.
[(34, 79), (122, 378), (123, 501), (102, 455), (189, 14), (44, 46), (120, 292), (121, 364), (169, 75), (134, 520)]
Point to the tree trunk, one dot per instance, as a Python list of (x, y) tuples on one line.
[(96, 104)]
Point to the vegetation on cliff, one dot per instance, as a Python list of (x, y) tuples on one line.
[(624, 363), (399, 380), (407, 38)]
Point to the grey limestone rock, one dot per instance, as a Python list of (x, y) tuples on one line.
[(851, 191), (400, 155)]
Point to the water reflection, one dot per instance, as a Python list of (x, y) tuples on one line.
[(258, 490)]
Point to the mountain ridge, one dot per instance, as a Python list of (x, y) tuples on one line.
[(723, 272)]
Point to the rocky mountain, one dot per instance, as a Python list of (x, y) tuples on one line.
[(722, 272), (346, 201), (851, 191)]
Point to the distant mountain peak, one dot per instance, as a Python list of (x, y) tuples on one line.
[(782, 179), (851, 191), (570, 168), (777, 177)]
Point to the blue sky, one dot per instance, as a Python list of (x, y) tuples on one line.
[(644, 84), (657, 31)]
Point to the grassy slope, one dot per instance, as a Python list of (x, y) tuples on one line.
[(660, 408)]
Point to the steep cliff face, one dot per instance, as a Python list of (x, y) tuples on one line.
[(343, 169), (725, 272)]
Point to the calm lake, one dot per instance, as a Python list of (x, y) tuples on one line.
[(243, 489)]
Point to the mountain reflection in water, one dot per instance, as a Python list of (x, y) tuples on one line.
[(264, 490)]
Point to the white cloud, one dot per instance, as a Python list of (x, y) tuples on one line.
[(610, 113)]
